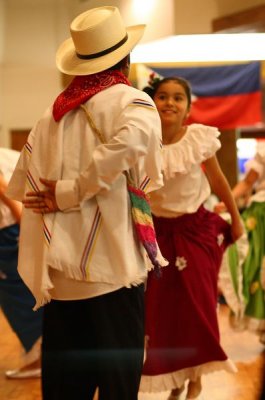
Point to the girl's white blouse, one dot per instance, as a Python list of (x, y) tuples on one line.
[(185, 184)]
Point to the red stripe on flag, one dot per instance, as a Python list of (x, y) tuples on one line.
[(227, 112)]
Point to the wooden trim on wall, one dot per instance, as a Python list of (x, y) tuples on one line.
[(251, 19), (252, 133), (18, 138)]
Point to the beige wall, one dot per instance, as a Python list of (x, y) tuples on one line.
[(195, 17), (31, 31), (2, 29), (30, 80)]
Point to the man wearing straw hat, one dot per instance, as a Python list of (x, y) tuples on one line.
[(78, 251)]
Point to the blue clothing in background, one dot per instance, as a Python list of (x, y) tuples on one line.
[(16, 300)]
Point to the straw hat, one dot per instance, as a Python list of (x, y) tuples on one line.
[(99, 41)]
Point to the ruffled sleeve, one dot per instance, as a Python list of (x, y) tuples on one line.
[(199, 143), (257, 163)]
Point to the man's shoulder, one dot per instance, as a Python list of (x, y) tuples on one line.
[(120, 96), (129, 95)]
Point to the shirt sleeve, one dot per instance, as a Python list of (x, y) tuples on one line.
[(137, 130), (18, 180)]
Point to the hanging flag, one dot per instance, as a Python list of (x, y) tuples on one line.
[(227, 96)]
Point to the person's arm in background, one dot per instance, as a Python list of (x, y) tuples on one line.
[(242, 188), (14, 206), (245, 186), (221, 188)]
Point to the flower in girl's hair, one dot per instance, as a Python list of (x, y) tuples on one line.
[(153, 79)]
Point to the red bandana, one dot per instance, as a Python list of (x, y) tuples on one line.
[(82, 88)]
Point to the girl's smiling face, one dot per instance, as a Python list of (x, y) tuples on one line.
[(172, 103)]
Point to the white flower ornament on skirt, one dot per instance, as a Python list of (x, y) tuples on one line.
[(181, 263)]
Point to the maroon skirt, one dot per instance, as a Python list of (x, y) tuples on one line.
[(181, 321)]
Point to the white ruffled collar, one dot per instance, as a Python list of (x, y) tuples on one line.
[(199, 143)]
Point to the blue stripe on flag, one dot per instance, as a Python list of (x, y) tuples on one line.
[(219, 80)]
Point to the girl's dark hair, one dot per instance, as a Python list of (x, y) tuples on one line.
[(156, 83)]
